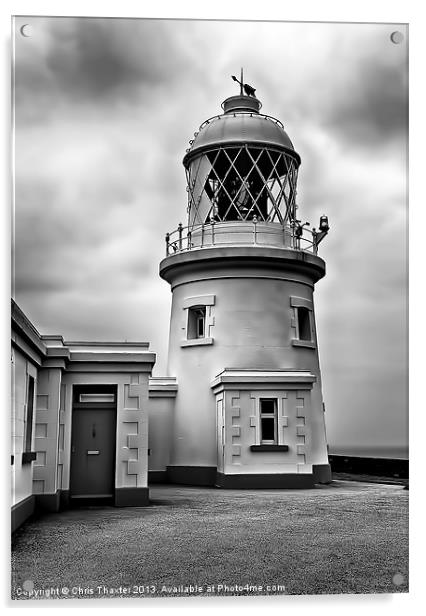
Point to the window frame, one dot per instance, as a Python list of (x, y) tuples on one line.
[(268, 415), (196, 316), (303, 310), (304, 306), (29, 456), (195, 323)]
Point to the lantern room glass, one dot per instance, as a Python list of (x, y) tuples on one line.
[(241, 183)]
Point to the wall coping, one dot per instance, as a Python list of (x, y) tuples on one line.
[(230, 377), (163, 387), (54, 351)]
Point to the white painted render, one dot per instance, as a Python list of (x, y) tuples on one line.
[(251, 325)]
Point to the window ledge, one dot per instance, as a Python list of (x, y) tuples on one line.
[(308, 344), (196, 342), (28, 457), (269, 447)]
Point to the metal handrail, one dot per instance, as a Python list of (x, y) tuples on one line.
[(209, 234), (261, 115)]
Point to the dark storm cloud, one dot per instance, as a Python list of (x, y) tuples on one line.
[(373, 108), (100, 61), (96, 58), (354, 87), (61, 246)]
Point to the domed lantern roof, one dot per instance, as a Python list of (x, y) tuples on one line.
[(241, 122)]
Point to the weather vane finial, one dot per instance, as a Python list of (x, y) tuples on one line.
[(249, 90)]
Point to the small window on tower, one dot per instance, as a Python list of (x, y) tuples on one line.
[(304, 323), (196, 322), (199, 321), (268, 420)]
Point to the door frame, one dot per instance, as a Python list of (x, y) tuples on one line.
[(95, 389), (220, 432)]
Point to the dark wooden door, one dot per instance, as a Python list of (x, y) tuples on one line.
[(92, 453)]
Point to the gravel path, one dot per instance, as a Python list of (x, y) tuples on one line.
[(344, 538)]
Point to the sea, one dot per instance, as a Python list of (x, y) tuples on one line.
[(372, 451)]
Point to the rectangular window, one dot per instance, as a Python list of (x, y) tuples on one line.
[(199, 317), (28, 437), (304, 323), (196, 322), (268, 420)]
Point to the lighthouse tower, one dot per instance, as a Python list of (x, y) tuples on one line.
[(249, 411)]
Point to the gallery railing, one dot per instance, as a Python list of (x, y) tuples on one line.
[(253, 233)]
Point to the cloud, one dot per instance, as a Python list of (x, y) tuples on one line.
[(373, 109), (103, 62), (96, 58), (349, 80)]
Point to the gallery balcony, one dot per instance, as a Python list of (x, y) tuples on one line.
[(238, 233)]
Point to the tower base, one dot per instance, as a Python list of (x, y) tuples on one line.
[(287, 481), (322, 473), (209, 477)]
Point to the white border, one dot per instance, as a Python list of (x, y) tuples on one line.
[(390, 11)]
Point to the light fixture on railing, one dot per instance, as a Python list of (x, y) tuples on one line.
[(323, 226), (323, 230)]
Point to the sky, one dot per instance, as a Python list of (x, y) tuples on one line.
[(104, 111)]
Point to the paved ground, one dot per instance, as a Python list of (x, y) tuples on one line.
[(349, 537)]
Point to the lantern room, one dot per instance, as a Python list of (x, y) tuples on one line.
[(241, 166), (241, 170)]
